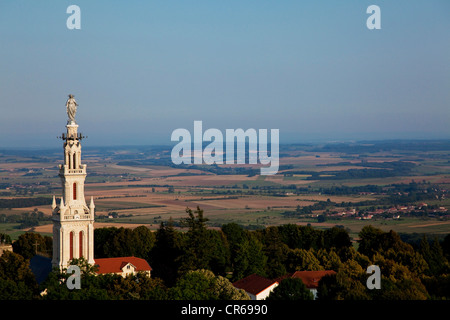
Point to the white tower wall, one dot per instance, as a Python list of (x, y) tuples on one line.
[(73, 220)]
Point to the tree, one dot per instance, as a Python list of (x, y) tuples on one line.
[(327, 288), (398, 282), (291, 235), (438, 287), (219, 254), (311, 238), (391, 240), (102, 236), (102, 286), (446, 246), (291, 289), (92, 287), (369, 242), (204, 285), (246, 251), (123, 242), (150, 288), (196, 248), (346, 284), (374, 240), (165, 254), (414, 261), (16, 278), (28, 244), (256, 258), (276, 252), (329, 259), (5, 239), (404, 289), (249, 258), (303, 260), (336, 238), (235, 235), (434, 256), (143, 240), (135, 287)]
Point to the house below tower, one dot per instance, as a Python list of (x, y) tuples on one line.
[(123, 266)]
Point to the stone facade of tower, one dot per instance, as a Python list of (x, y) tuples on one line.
[(73, 220)]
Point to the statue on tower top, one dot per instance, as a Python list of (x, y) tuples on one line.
[(71, 107)]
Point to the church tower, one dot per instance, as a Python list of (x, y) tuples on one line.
[(73, 220)]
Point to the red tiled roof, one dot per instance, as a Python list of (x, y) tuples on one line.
[(114, 265), (254, 284), (310, 278)]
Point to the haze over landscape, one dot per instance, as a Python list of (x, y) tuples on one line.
[(139, 70)]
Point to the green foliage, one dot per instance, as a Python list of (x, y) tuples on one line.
[(434, 256), (122, 242), (369, 240), (276, 252), (204, 285), (164, 255), (201, 245), (347, 284), (246, 251), (336, 238), (17, 282), (446, 246), (197, 249), (103, 286), (28, 244), (302, 260), (404, 289), (5, 239), (192, 264), (219, 254), (24, 202), (329, 260), (438, 287)]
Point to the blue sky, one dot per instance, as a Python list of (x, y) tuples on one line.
[(141, 69)]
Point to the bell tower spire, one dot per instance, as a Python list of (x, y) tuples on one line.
[(73, 220)]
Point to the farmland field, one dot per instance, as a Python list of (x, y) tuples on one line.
[(145, 188)]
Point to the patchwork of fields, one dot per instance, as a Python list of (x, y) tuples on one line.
[(148, 190)]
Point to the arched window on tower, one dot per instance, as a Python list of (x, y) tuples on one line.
[(80, 236), (74, 160), (74, 191), (71, 243)]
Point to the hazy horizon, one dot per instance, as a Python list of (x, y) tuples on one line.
[(140, 70)]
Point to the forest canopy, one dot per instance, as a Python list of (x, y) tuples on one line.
[(220, 256)]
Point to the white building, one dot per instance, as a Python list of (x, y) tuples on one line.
[(123, 266), (257, 287), (73, 220)]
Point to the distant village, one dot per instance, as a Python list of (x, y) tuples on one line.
[(394, 212)]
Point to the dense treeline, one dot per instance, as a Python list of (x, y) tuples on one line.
[(274, 251), (381, 170), (362, 147), (389, 189), (24, 202), (198, 262), (25, 219)]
